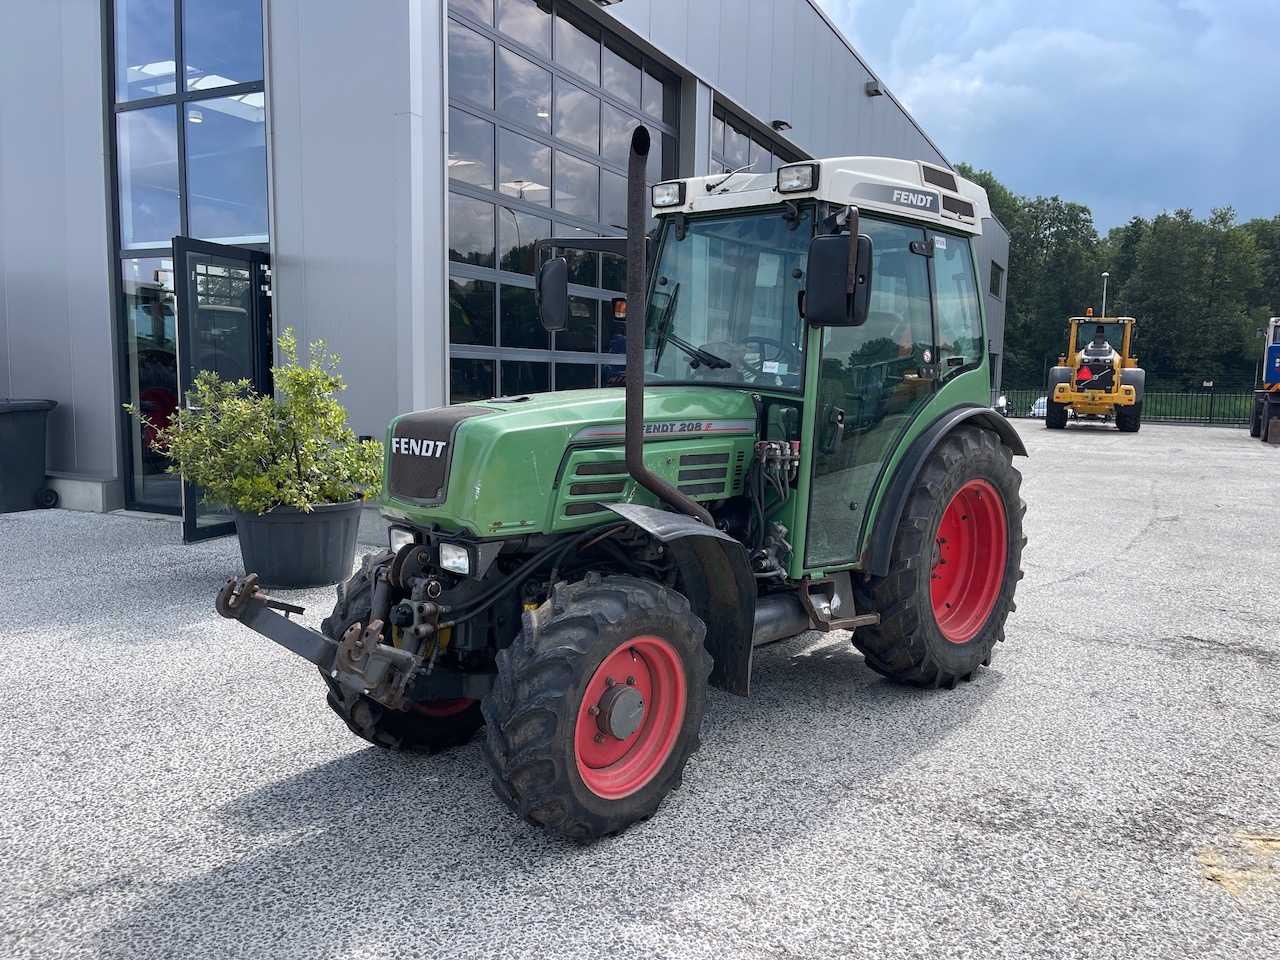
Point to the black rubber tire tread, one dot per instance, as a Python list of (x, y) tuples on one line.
[(368, 719), (907, 645), (532, 711), (1129, 419), (1264, 427), (1055, 414), (1255, 421)]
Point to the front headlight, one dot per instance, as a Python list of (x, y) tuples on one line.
[(398, 537), (798, 178), (670, 194), (455, 559)]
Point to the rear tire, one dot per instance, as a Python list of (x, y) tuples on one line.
[(1264, 429), (429, 726), (1129, 419), (957, 558), (1055, 414), (598, 706), (1255, 421)]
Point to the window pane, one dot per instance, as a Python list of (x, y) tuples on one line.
[(470, 65), (525, 376), (578, 49), (150, 322), (470, 380), (481, 10), (583, 266), (524, 91), (577, 116), (717, 135), (524, 168), (526, 22), (575, 376), (227, 169), (471, 314), (222, 42), (144, 49), (581, 334), (518, 233), (149, 205), (613, 199), (577, 186), (737, 146), (470, 149), (470, 231), (616, 127), (613, 272), (520, 324), (621, 76), (659, 98), (759, 157)]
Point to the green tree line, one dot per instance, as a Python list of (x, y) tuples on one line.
[(1200, 289)]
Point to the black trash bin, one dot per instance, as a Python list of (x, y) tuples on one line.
[(22, 455)]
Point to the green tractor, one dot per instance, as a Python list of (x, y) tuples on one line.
[(804, 441)]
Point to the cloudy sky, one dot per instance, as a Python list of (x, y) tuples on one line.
[(1130, 107)]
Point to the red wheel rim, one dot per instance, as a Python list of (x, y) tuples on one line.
[(640, 684), (969, 557), (442, 708)]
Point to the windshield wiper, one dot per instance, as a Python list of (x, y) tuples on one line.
[(664, 335)]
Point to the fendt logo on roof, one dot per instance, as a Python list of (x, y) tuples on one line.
[(913, 199), (418, 448)]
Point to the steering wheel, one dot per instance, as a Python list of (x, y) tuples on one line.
[(780, 351)]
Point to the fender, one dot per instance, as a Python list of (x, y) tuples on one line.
[(1134, 377), (880, 545), (717, 583), (1060, 375)]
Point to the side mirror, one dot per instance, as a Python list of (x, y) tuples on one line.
[(552, 294), (828, 302)]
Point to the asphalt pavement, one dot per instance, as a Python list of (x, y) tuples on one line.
[(175, 787)]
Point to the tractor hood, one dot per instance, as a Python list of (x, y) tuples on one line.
[(496, 467)]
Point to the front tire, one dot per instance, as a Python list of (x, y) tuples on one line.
[(956, 561), (1055, 414), (426, 726), (598, 706), (1255, 421)]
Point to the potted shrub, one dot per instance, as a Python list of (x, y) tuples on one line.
[(288, 466)]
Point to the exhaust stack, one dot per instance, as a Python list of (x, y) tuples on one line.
[(637, 317)]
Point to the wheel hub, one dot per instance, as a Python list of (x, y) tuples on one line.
[(621, 712)]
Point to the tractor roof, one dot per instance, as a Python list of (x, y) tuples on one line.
[(908, 188)]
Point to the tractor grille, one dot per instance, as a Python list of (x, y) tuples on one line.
[(703, 474), (422, 450)]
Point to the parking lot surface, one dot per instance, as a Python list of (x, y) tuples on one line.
[(175, 787)]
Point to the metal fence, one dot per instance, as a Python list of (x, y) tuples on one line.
[(1232, 408)]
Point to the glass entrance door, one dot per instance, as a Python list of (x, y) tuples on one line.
[(224, 311)]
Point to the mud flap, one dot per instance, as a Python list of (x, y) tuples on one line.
[(717, 582)]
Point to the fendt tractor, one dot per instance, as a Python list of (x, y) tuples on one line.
[(804, 441), (1266, 402), (1098, 377)]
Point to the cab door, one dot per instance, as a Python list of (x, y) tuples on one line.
[(873, 381)]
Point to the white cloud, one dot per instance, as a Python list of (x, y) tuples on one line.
[(1129, 108)]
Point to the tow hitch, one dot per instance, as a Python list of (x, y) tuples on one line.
[(358, 661)]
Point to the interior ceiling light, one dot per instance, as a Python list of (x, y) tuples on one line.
[(195, 116)]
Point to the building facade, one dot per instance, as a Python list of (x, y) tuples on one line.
[(181, 178)]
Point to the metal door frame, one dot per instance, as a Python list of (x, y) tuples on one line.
[(259, 264)]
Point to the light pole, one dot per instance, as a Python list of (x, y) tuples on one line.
[(1104, 292)]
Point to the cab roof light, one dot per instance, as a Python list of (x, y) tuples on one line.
[(798, 178), (669, 194)]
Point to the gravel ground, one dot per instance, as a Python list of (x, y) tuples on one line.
[(175, 787)]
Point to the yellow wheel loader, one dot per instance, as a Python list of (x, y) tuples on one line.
[(1098, 376)]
